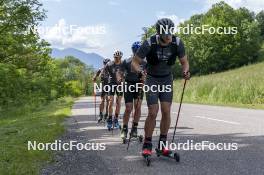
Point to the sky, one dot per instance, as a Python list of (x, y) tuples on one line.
[(104, 26)]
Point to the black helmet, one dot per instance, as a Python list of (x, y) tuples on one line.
[(106, 61), (164, 25)]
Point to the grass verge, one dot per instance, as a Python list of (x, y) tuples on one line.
[(19, 126), (242, 87)]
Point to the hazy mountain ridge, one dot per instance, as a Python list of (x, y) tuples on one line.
[(92, 59)]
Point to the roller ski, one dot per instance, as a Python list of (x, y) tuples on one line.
[(167, 153), (134, 136), (147, 152)]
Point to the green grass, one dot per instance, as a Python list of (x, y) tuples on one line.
[(19, 126), (242, 87)]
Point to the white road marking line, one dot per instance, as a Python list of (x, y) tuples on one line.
[(177, 113), (224, 121)]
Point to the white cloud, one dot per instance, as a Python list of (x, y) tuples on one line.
[(113, 3), (254, 5), (63, 35), (173, 17)]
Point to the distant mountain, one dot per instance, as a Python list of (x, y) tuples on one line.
[(92, 59)]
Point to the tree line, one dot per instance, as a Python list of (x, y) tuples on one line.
[(28, 75), (210, 53)]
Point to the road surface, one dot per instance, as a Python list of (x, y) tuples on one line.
[(197, 123)]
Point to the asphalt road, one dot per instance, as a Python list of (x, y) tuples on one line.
[(197, 123)]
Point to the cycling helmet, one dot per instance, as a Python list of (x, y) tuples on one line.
[(135, 46), (164, 25), (118, 53), (105, 61)]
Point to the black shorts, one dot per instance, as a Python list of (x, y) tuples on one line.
[(114, 91), (103, 93), (130, 96), (162, 96)]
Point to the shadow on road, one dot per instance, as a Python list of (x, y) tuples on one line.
[(116, 159)]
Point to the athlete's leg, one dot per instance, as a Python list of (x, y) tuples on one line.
[(153, 108), (128, 110), (151, 120), (118, 105), (137, 108), (103, 97), (107, 106), (111, 102), (166, 117), (165, 102)]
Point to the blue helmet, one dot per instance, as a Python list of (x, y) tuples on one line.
[(135, 46)]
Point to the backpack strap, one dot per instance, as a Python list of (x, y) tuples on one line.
[(174, 48), (152, 58)]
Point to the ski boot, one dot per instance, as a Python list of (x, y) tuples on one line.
[(100, 118), (147, 152), (123, 135), (134, 134), (109, 124), (105, 117), (116, 124)]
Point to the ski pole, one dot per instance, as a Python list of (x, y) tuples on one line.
[(94, 93), (179, 110)]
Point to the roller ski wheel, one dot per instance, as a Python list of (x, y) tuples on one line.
[(147, 159), (146, 153), (168, 153), (176, 157)]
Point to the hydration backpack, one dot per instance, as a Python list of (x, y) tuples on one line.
[(152, 57)]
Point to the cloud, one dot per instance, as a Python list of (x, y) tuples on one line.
[(63, 35), (173, 17), (254, 5), (113, 3), (50, 0)]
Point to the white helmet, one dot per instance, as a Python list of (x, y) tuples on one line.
[(118, 53)]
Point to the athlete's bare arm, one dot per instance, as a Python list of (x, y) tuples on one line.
[(135, 65), (185, 67)]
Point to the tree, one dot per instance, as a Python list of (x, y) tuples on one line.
[(217, 52), (260, 19)]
